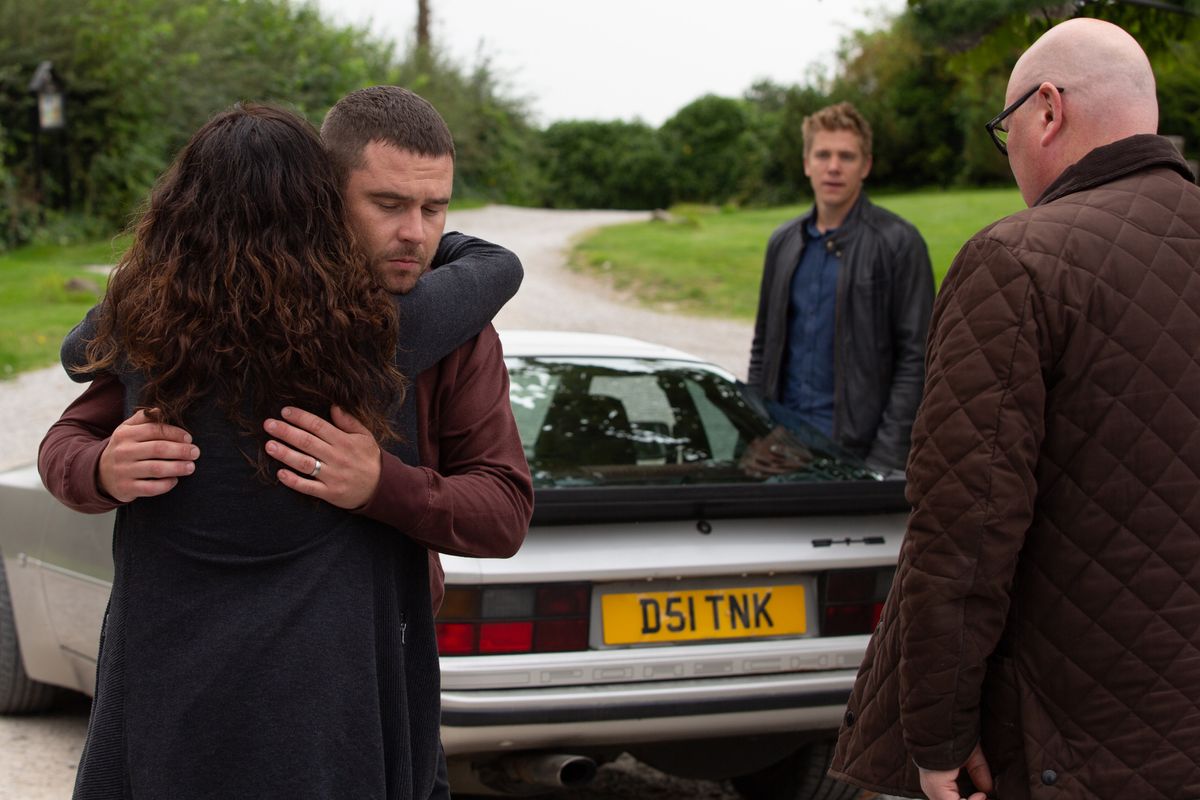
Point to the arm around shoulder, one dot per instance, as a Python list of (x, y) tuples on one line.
[(470, 283), (73, 352)]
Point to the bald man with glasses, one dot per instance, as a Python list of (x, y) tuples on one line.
[(1042, 636)]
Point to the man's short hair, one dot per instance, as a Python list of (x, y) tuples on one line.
[(837, 117), (389, 114)]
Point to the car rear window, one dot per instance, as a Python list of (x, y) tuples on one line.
[(641, 422)]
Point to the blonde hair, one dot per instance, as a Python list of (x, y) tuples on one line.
[(837, 117)]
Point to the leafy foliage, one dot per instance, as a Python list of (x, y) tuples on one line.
[(907, 94), (1178, 74), (716, 154), (958, 25), (605, 165), (497, 148), (141, 75), (778, 113), (977, 42), (18, 217)]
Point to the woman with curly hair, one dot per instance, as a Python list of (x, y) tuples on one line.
[(244, 289), (246, 650)]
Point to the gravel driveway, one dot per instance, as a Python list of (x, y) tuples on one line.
[(39, 754)]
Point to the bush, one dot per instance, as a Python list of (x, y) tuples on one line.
[(18, 216), (1178, 73), (142, 75), (605, 165), (715, 152), (61, 229), (780, 112)]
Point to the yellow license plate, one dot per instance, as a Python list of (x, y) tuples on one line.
[(724, 613)]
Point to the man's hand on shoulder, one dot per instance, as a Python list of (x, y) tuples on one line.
[(943, 785), (347, 454), (145, 458)]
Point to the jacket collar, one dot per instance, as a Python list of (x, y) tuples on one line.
[(1111, 161), (851, 220)]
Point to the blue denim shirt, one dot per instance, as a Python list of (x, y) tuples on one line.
[(808, 357)]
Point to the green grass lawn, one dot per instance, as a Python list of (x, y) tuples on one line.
[(709, 261), (37, 308)]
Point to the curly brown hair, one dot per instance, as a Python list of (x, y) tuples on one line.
[(244, 284)]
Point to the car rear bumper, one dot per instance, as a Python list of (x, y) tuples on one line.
[(652, 694), (621, 714)]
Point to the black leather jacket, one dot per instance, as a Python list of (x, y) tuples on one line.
[(884, 298)]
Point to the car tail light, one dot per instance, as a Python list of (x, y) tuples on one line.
[(514, 619), (506, 637), (455, 638), (852, 600)]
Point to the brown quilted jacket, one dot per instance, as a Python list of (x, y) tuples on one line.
[(1047, 601)]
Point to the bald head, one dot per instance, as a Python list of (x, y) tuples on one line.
[(1111, 83), (1107, 94)]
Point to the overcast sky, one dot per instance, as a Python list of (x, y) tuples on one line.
[(626, 59)]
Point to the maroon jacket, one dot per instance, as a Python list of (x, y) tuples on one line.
[(1047, 600), (471, 496)]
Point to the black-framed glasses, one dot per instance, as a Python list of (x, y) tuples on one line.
[(1000, 135)]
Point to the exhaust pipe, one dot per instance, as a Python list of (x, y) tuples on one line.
[(546, 771)]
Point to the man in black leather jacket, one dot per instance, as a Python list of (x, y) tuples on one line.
[(844, 307)]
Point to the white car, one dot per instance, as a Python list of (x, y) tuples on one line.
[(697, 588)]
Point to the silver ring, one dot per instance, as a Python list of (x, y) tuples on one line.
[(316, 473)]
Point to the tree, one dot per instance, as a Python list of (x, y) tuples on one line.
[(779, 114), (18, 216), (959, 25), (979, 42), (423, 39), (906, 93), (715, 152), (1178, 72), (605, 165), (142, 75)]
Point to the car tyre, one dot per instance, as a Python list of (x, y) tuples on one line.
[(800, 776), (18, 693)]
